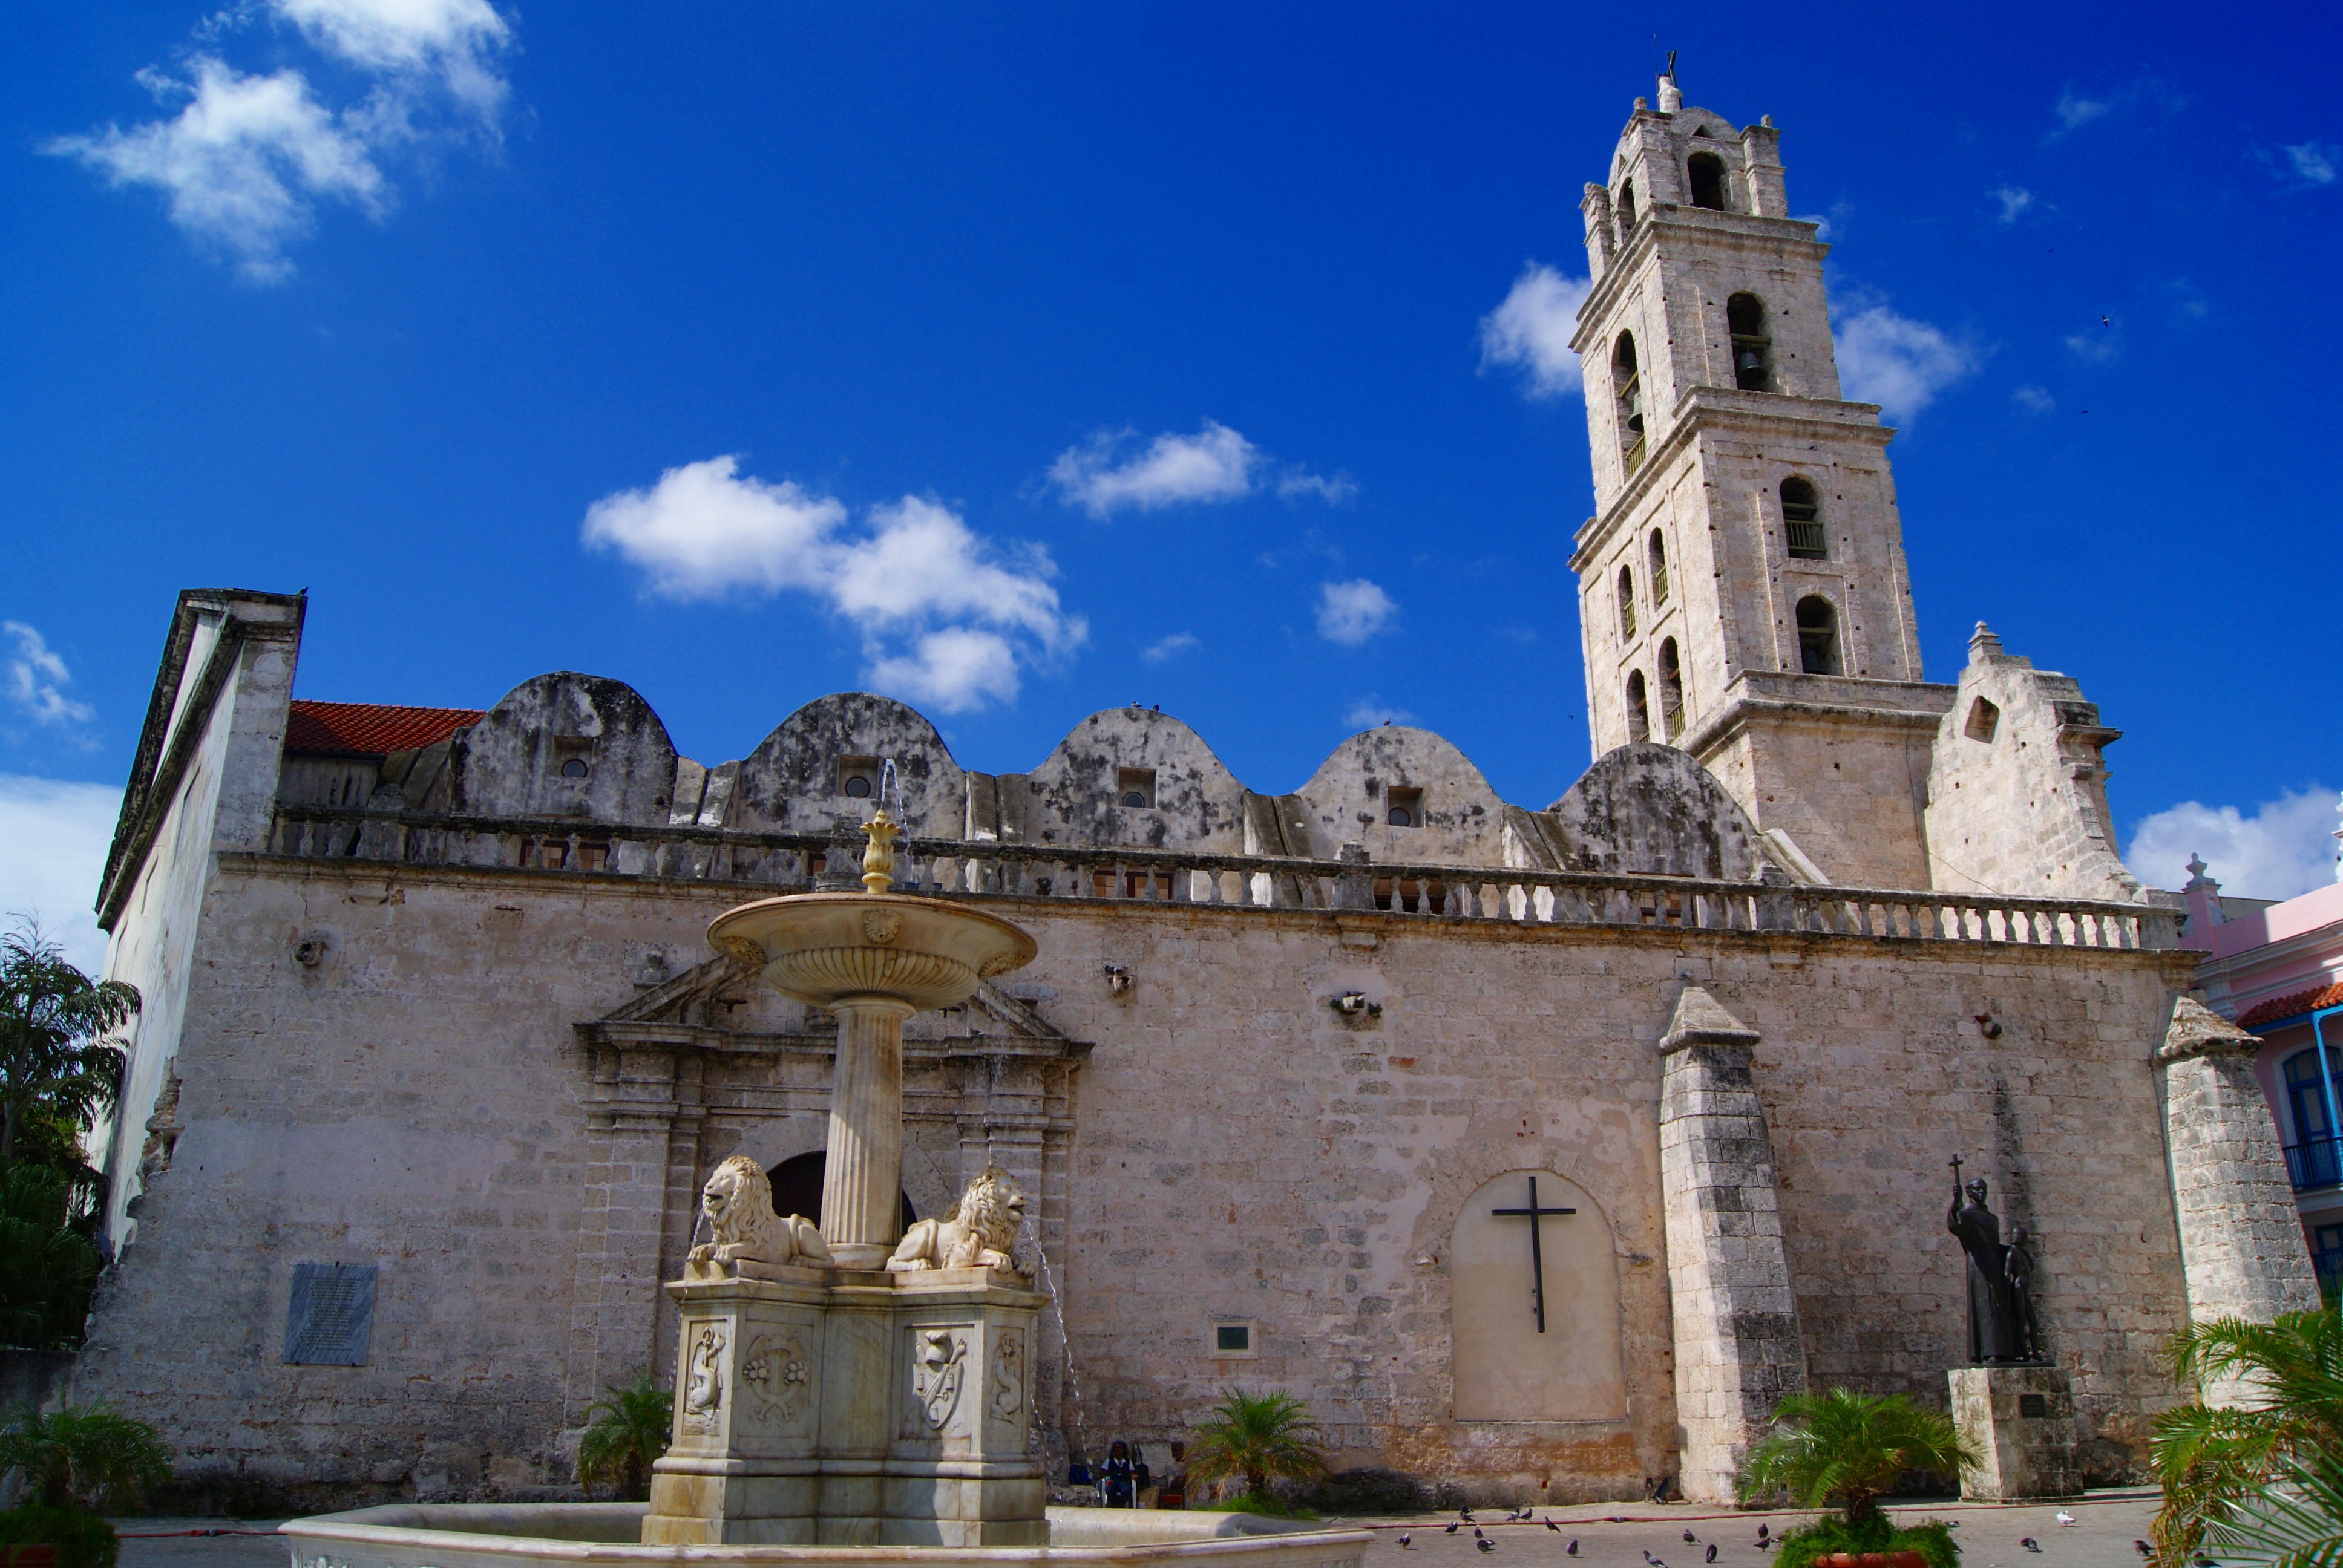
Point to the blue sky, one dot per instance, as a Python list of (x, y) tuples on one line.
[(1029, 360)]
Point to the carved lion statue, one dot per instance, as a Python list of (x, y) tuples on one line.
[(977, 1232), (738, 1203)]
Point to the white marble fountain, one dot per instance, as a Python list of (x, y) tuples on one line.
[(844, 1393)]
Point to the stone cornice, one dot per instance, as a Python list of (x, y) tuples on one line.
[(1739, 231)]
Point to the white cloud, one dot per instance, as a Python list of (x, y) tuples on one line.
[(2013, 199), (1103, 475), (1351, 612), (1897, 362), (1370, 712), (1338, 490), (247, 160), (2094, 349), (956, 668), (2074, 110), (53, 843), (1216, 464), (1178, 643), (2034, 400), (2285, 848), (918, 574), (34, 679), (1531, 330), (2313, 162), (241, 166)]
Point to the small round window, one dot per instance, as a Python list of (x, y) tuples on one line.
[(859, 788), (574, 768), (1401, 817), (1134, 798)]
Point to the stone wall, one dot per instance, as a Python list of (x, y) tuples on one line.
[(1232, 1149), (2018, 790)]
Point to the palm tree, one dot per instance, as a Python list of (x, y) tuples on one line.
[(625, 1436), (1848, 1451), (1258, 1437), (56, 1024), (2213, 1460), (86, 1456), (46, 1265)]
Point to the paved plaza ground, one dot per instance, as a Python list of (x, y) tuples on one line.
[(1609, 1536)]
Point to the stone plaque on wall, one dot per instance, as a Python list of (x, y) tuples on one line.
[(331, 1318)]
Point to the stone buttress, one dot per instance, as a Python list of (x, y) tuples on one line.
[(1738, 1348), (2241, 1246)]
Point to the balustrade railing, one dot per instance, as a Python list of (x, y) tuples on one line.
[(2312, 1164), (794, 861)]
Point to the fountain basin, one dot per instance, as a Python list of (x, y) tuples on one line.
[(829, 948), (604, 1535)]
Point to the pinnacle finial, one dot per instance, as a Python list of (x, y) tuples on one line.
[(2197, 877), (879, 860), (1983, 644)]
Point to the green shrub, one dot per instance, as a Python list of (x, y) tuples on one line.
[(87, 1456), (1256, 1439), (626, 1434), (1933, 1538), (82, 1540), (1267, 1502)]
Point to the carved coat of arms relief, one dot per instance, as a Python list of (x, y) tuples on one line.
[(776, 1379), (939, 1365)]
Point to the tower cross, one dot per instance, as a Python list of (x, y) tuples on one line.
[(1537, 1248)]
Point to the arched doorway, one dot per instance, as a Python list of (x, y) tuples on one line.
[(1505, 1368), (796, 1189)]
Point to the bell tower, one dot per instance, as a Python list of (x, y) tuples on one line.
[(1742, 589)]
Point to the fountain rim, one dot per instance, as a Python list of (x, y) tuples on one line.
[(1019, 935), (348, 1527)]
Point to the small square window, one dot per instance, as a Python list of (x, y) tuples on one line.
[(1404, 808), (1232, 1338), (858, 777), (1134, 788), (2034, 1407), (1985, 718)]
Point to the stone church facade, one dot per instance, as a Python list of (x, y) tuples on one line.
[(427, 994)]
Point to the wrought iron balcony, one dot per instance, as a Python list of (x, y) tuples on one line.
[(2314, 1164)]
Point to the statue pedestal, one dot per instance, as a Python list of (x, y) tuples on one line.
[(838, 1407), (2021, 1419)]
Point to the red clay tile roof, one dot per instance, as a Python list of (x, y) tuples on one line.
[(2279, 1007), (371, 729)]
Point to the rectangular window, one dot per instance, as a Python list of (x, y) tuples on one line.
[(858, 777), (1404, 808), (1232, 1338), (1134, 788)]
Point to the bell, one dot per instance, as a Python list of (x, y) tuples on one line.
[(1751, 360)]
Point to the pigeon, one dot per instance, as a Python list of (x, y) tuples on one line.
[(2143, 1548), (1573, 1546), (1451, 1528), (2063, 1517), (1485, 1544), (1465, 1514), (1691, 1537), (1712, 1552), (2030, 1544), (1763, 1532), (1407, 1542), (1654, 1562), (1476, 1533), (1549, 1524)]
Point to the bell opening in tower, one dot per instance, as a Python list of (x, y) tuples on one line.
[(1752, 346)]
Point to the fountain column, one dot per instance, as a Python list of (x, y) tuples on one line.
[(862, 1170)]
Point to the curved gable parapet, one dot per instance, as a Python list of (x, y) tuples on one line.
[(565, 745), (1647, 807), (1455, 817), (1127, 776), (803, 777)]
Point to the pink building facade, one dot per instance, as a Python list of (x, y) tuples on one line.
[(2277, 970)]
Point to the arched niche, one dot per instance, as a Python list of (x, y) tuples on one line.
[(1505, 1369)]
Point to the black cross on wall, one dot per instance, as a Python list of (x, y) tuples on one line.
[(1537, 1249)]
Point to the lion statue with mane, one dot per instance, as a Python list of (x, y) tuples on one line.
[(979, 1231), (738, 1203)]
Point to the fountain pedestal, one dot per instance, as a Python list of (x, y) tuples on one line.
[(843, 1408), (845, 1390)]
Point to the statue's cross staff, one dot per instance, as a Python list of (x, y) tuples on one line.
[(1537, 1249)]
